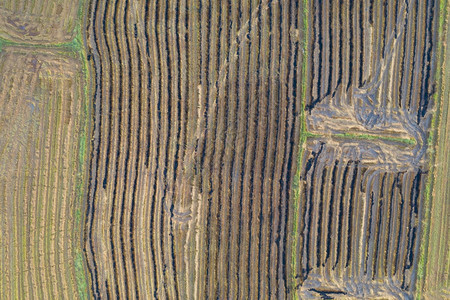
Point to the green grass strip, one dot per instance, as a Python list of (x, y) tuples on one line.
[(77, 46), (363, 137), (375, 137), (303, 136)]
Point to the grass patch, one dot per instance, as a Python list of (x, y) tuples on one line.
[(303, 136), (79, 274), (375, 137), (363, 137)]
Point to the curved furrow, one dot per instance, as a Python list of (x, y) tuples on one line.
[(250, 151), (244, 125), (219, 89), (267, 158), (113, 167), (291, 136), (216, 147), (273, 256), (163, 234), (94, 159), (282, 148), (146, 269), (233, 87), (206, 151), (155, 137)]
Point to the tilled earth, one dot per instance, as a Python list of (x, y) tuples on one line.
[(192, 149)]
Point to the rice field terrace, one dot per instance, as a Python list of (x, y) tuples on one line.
[(248, 149)]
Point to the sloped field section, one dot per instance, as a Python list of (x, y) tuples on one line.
[(41, 163), (197, 119), (369, 105)]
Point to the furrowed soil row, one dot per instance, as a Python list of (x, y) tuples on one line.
[(196, 130)]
